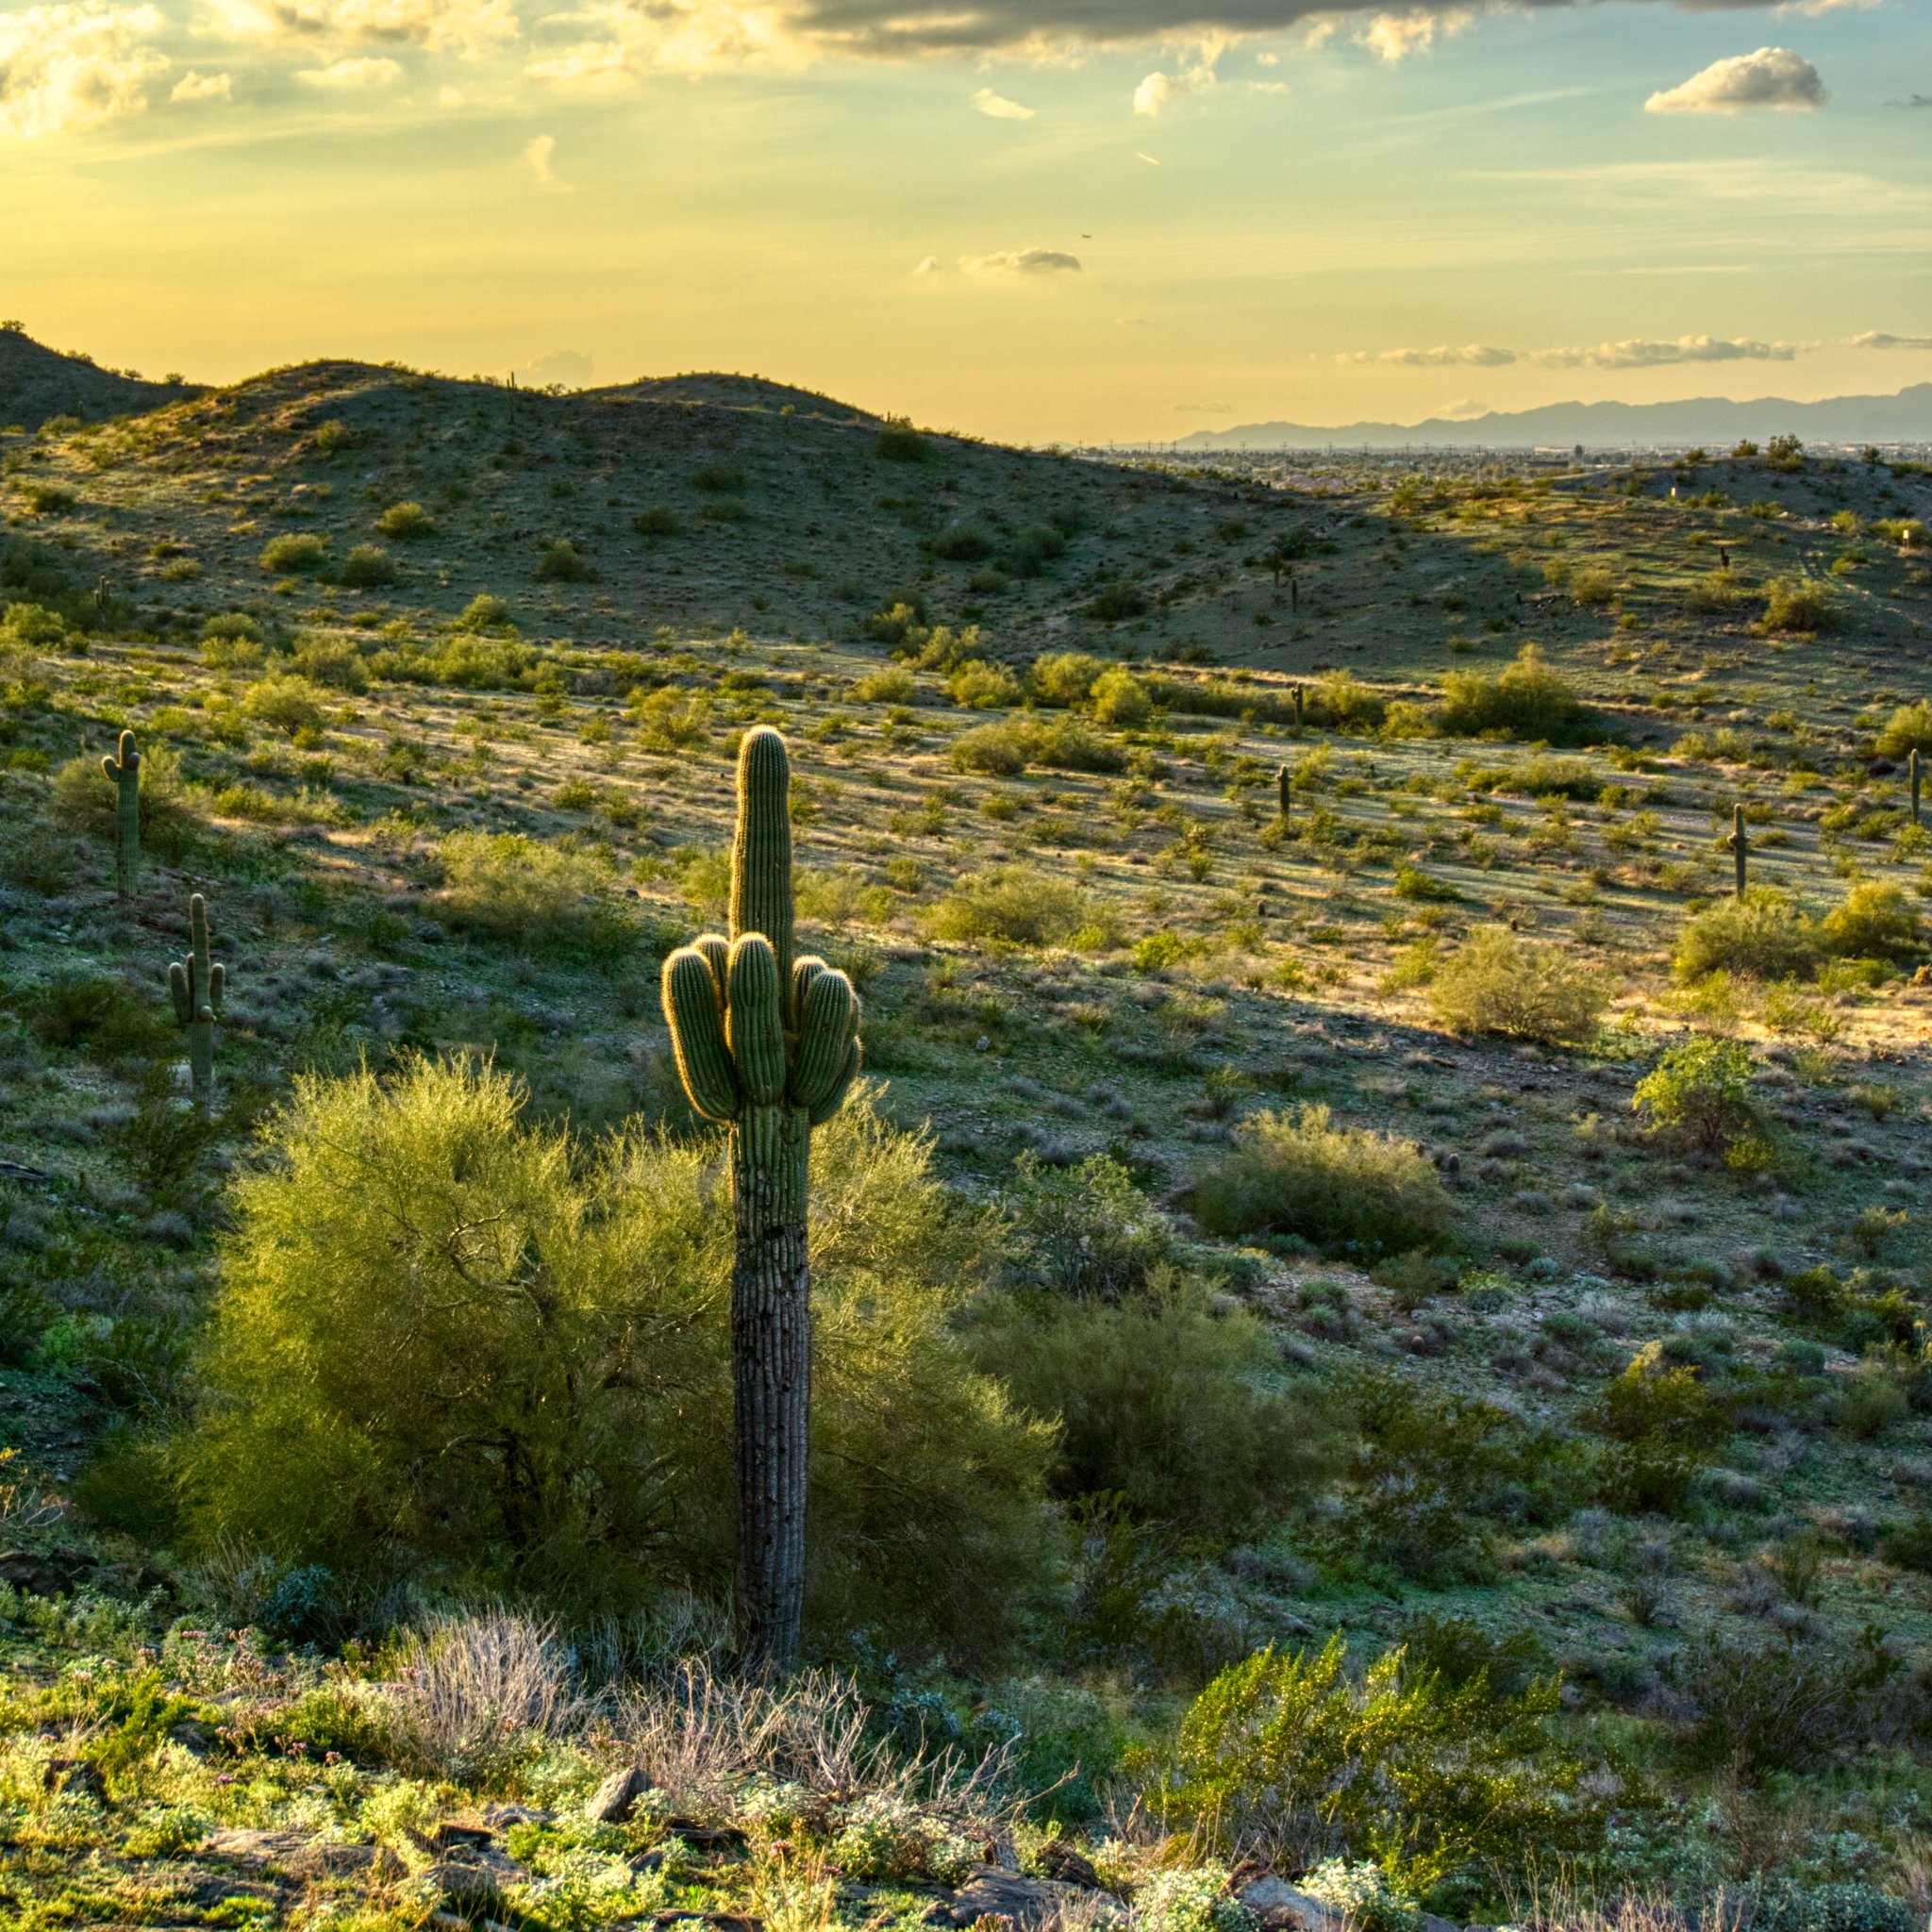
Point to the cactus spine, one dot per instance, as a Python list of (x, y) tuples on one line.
[(197, 983), (768, 1045), (1912, 767), (125, 770), (1740, 846)]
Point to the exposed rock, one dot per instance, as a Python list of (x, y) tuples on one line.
[(475, 1877), (991, 1892), (612, 1802), (1281, 1909), (1059, 1861), (294, 1854)]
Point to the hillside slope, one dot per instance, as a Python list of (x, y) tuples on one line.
[(37, 384)]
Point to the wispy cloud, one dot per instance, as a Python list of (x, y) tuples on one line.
[(351, 73), (1021, 261), (1633, 352), (203, 86), (1772, 77), (1878, 339), (1395, 36), (999, 108), (537, 157), (461, 26)]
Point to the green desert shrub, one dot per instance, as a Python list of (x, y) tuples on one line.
[(405, 523), (1169, 1412), (657, 520), (1019, 904), (1909, 729), (486, 612), (1703, 1096), (1498, 982), (1086, 1232), (1765, 935), (967, 541), (562, 562), (1342, 1188), (299, 550), (83, 799), (530, 893), (285, 703), (994, 751), (454, 1347), (1116, 603), (1797, 603), (1064, 678), (890, 684), (366, 565), (331, 660), (1436, 1783), (981, 685), (1121, 699), (898, 442), (1525, 699), (1066, 744), (1874, 921)]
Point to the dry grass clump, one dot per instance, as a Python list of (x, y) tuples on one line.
[(1498, 982), (1337, 1188)]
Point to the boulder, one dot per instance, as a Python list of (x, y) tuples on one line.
[(1067, 1863), (294, 1854), (612, 1802), (990, 1891), (1281, 1909)]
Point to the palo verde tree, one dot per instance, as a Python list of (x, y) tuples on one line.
[(768, 1045)]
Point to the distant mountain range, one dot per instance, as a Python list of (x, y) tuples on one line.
[(1715, 420)]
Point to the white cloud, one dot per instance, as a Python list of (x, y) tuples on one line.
[(1878, 339), (1640, 353), (1153, 95), (999, 107), (1474, 355), (65, 68), (1394, 34), (929, 265), (1773, 77), (353, 71), (570, 367), (1021, 261), (203, 86), (537, 155), (461, 26), (1463, 409)]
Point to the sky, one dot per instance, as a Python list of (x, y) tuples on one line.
[(1039, 221)]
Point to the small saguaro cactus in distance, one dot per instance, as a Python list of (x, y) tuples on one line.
[(197, 983), (1297, 707), (1283, 787), (1741, 847), (1912, 771), (767, 1044), (124, 771)]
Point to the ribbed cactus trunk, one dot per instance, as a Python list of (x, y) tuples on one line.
[(124, 771), (1283, 790), (1741, 849), (768, 1045), (197, 986)]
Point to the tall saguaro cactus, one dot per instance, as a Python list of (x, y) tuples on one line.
[(124, 771), (1913, 774), (1284, 788), (1741, 847), (767, 1044), (197, 983)]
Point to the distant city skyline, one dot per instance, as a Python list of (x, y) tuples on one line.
[(1039, 221)]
